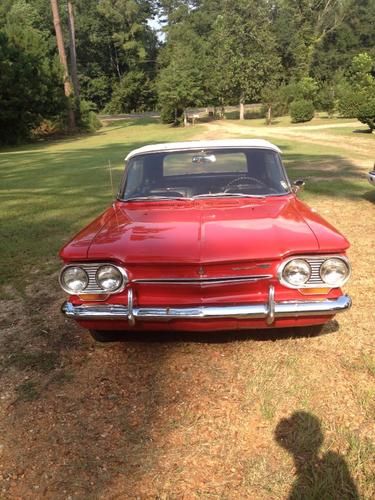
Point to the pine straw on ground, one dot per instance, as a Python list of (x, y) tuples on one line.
[(251, 415)]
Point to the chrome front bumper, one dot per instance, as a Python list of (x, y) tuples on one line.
[(268, 311)]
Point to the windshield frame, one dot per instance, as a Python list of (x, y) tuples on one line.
[(152, 198)]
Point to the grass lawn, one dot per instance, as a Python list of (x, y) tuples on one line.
[(258, 415), (50, 190)]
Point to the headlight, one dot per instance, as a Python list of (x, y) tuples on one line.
[(297, 272), (109, 278), (334, 272), (74, 279)]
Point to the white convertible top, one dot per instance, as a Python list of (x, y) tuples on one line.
[(202, 145)]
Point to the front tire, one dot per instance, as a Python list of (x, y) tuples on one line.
[(105, 336)]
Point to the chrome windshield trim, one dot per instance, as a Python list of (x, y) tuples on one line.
[(203, 281)]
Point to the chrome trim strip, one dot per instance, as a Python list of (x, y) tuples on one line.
[(315, 262), (327, 307), (203, 281)]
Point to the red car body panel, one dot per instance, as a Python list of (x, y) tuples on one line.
[(175, 239), (204, 231), (201, 244)]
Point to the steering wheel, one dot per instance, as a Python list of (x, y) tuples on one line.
[(241, 181)]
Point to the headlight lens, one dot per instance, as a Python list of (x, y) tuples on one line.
[(334, 272), (297, 272), (74, 279), (109, 278)]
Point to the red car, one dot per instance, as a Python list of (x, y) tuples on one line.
[(205, 235)]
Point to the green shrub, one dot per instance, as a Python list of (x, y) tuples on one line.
[(134, 93), (301, 111), (350, 101), (366, 113), (169, 114), (88, 120), (325, 100)]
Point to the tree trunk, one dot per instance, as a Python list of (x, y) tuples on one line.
[(242, 109), (72, 49), (62, 55), (269, 115)]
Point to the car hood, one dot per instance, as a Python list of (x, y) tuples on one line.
[(210, 230)]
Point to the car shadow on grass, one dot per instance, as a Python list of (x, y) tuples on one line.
[(325, 476), (221, 337), (370, 196)]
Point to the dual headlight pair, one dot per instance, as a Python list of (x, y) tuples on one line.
[(334, 272), (108, 278)]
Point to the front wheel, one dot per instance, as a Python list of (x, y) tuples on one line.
[(106, 336)]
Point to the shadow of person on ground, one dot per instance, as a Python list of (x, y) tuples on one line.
[(318, 477)]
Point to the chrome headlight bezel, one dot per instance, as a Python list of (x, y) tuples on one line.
[(302, 263), (316, 261), (116, 270), (63, 283), (341, 282), (91, 269)]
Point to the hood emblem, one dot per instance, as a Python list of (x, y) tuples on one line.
[(200, 271)]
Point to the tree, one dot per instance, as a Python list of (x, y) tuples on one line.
[(302, 26), (72, 49), (133, 93), (353, 35), (366, 113), (246, 57), (180, 83), (23, 105), (113, 38), (358, 87), (61, 49)]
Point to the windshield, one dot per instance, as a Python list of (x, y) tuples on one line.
[(199, 174)]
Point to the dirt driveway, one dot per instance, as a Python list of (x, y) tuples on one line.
[(253, 415)]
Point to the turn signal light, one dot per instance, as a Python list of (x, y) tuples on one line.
[(314, 291), (91, 297)]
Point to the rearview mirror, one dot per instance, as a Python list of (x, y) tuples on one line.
[(297, 185), (204, 158)]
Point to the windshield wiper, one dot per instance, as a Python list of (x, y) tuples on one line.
[(151, 198), (234, 195)]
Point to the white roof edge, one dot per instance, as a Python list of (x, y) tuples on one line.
[(221, 143)]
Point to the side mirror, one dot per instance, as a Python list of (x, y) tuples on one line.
[(297, 185)]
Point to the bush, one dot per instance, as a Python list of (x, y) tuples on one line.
[(88, 120), (366, 113), (169, 114), (349, 103), (134, 93), (325, 100), (301, 111)]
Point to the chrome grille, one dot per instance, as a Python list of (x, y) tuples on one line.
[(204, 281), (315, 264), (91, 270)]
